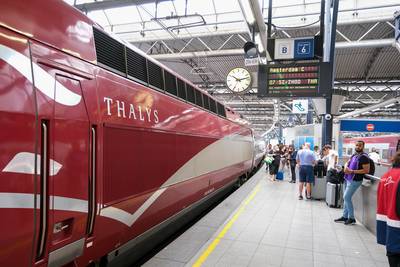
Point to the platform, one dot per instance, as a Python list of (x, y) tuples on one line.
[(264, 224)]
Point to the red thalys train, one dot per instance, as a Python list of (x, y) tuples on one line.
[(101, 147), (385, 145)]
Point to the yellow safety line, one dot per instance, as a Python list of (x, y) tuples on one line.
[(221, 234)]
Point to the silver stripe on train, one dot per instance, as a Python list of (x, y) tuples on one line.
[(126, 217), (43, 81), (26, 201)]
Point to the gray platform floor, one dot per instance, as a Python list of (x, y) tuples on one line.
[(273, 229)]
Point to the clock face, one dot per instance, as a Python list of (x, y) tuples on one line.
[(238, 80)]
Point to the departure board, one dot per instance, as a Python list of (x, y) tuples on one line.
[(291, 80)]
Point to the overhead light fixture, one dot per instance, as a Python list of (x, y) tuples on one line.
[(250, 50), (247, 11), (375, 109), (390, 105)]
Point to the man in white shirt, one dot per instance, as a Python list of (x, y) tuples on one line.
[(374, 155), (331, 157)]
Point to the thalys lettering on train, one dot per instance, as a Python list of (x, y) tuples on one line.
[(97, 139), (129, 111)]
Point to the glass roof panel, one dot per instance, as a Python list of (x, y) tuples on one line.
[(123, 15), (99, 17)]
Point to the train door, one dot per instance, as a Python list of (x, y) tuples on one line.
[(65, 148), (17, 146)]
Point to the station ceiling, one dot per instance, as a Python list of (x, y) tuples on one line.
[(203, 40)]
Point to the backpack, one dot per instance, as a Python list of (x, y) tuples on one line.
[(371, 165)]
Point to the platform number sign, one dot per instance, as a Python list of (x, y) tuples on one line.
[(304, 48), (284, 49)]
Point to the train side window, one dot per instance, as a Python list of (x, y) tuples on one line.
[(190, 94), (213, 106), (199, 98), (221, 109), (181, 89), (155, 75), (170, 83), (350, 151), (385, 154), (136, 65), (206, 102), (110, 53)]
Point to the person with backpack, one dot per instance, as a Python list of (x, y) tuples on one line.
[(388, 212), (355, 168)]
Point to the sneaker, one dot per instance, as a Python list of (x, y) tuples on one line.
[(350, 221), (341, 219), (308, 198), (300, 197)]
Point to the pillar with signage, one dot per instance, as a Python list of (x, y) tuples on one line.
[(304, 67)]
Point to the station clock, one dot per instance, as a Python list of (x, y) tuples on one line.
[(238, 80)]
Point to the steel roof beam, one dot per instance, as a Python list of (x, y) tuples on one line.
[(107, 4), (235, 52)]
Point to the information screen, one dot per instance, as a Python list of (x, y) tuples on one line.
[(294, 80)]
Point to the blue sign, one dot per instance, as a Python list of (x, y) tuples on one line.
[(304, 48), (375, 126)]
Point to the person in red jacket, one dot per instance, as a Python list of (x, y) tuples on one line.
[(388, 212)]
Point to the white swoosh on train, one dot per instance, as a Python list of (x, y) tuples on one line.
[(211, 158), (24, 162), (44, 82)]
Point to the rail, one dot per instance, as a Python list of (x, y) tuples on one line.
[(364, 200)]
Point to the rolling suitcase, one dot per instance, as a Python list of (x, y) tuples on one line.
[(333, 195), (279, 175), (318, 189)]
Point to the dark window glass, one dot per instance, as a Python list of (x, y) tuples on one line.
[(190, 94), (221, 109), (137, 66), (206, 102), (170, 83), (181, 89), (199, 99), (155, 75), (213, 106), (109, 52)]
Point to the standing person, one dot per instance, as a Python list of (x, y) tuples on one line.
[(354, 170), (306, 159), (292, 162), (331, 157), (374, 155), (274, 167), (317, 153), (388, 212)]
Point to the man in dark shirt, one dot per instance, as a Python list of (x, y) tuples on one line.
[(354, 170)]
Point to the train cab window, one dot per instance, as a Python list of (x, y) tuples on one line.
[(190, 94), (199, 98), (213, 106), (170, 83), (110, 53), (206, 102), (181, 89), (136, 65), (155, 75), (221, 109)]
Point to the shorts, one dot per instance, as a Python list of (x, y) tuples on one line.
[(306, 174)]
